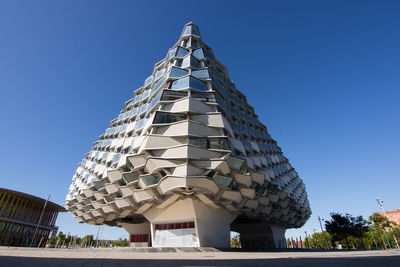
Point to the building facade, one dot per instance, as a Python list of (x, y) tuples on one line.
[(187, 161), (19, 217), (393, 215)]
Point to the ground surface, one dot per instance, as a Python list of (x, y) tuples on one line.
[(130, 257)]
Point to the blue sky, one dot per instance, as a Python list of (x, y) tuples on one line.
[(322, 75)]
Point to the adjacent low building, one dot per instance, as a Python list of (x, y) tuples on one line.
[(187, 160), (19, 218), (392, 215)]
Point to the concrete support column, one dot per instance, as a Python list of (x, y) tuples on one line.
[(138, 231), (211, 225), (260, 235)]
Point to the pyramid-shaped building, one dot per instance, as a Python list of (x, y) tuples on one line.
[(187, 161)]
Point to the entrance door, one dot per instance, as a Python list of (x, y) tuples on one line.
[(175, 235)]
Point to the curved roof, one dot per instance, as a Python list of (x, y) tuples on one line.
[(35, 199)]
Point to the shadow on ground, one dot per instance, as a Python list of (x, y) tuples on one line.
[(325, 262)]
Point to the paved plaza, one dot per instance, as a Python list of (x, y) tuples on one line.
[(130, 257)]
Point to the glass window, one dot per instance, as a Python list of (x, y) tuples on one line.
[(198, 53), (148, 80), (182, 52), (173, 95), (140, 124), (260, 189), (151, 179), (133, 112), (201, 74), (177, 72), (195, 30), (143, 108), (98, 184), (272, 188), (210, 143), (137, 98), (171, 53), (155, 100), (224, 181), (186, 62), (166, 117), (219, 87), (204, 96), (190, 61), (180, 84), (237, 164), (197, 84), (191, 29), (158, 85), (146, 94), (158, 74)]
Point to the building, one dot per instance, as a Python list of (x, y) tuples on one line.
[(19, 218), (393, 215), (187, 161)]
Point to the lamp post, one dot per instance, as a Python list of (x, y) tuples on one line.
[(40, 219), (323, 233), (380, 203)]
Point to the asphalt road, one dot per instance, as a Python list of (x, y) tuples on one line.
[(115, 257)]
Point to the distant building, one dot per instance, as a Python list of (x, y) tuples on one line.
[(393, 215), (19, 216)]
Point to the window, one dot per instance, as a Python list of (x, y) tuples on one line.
[(237, 164), (140, 238), (190, 61), (173, 95), (187, 82), (204, 97), (197, 84), (260, 189), (191, 29), (148, 80), (210, 143), (158, 85), (140, 124), (182, 52), (143, 108), (172, 226), (201, 74), (155, 100), (159, 74), (272, 188), (151, 179), (224, 181), (177, 72), (137, 98), (165, 117), (198, 53), (180, 84), (116, 158)]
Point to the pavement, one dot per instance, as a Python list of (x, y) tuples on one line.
[(10, 256)]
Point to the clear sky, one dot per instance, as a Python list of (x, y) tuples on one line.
[(323, 76)]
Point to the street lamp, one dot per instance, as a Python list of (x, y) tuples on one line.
[(323, 233), (380, 203), (40, 219)]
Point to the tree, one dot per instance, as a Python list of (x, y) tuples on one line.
[(359, 229), (121, 243), (380, 222), (317, 240), (339, 227), (343, 227), (235, 242)]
